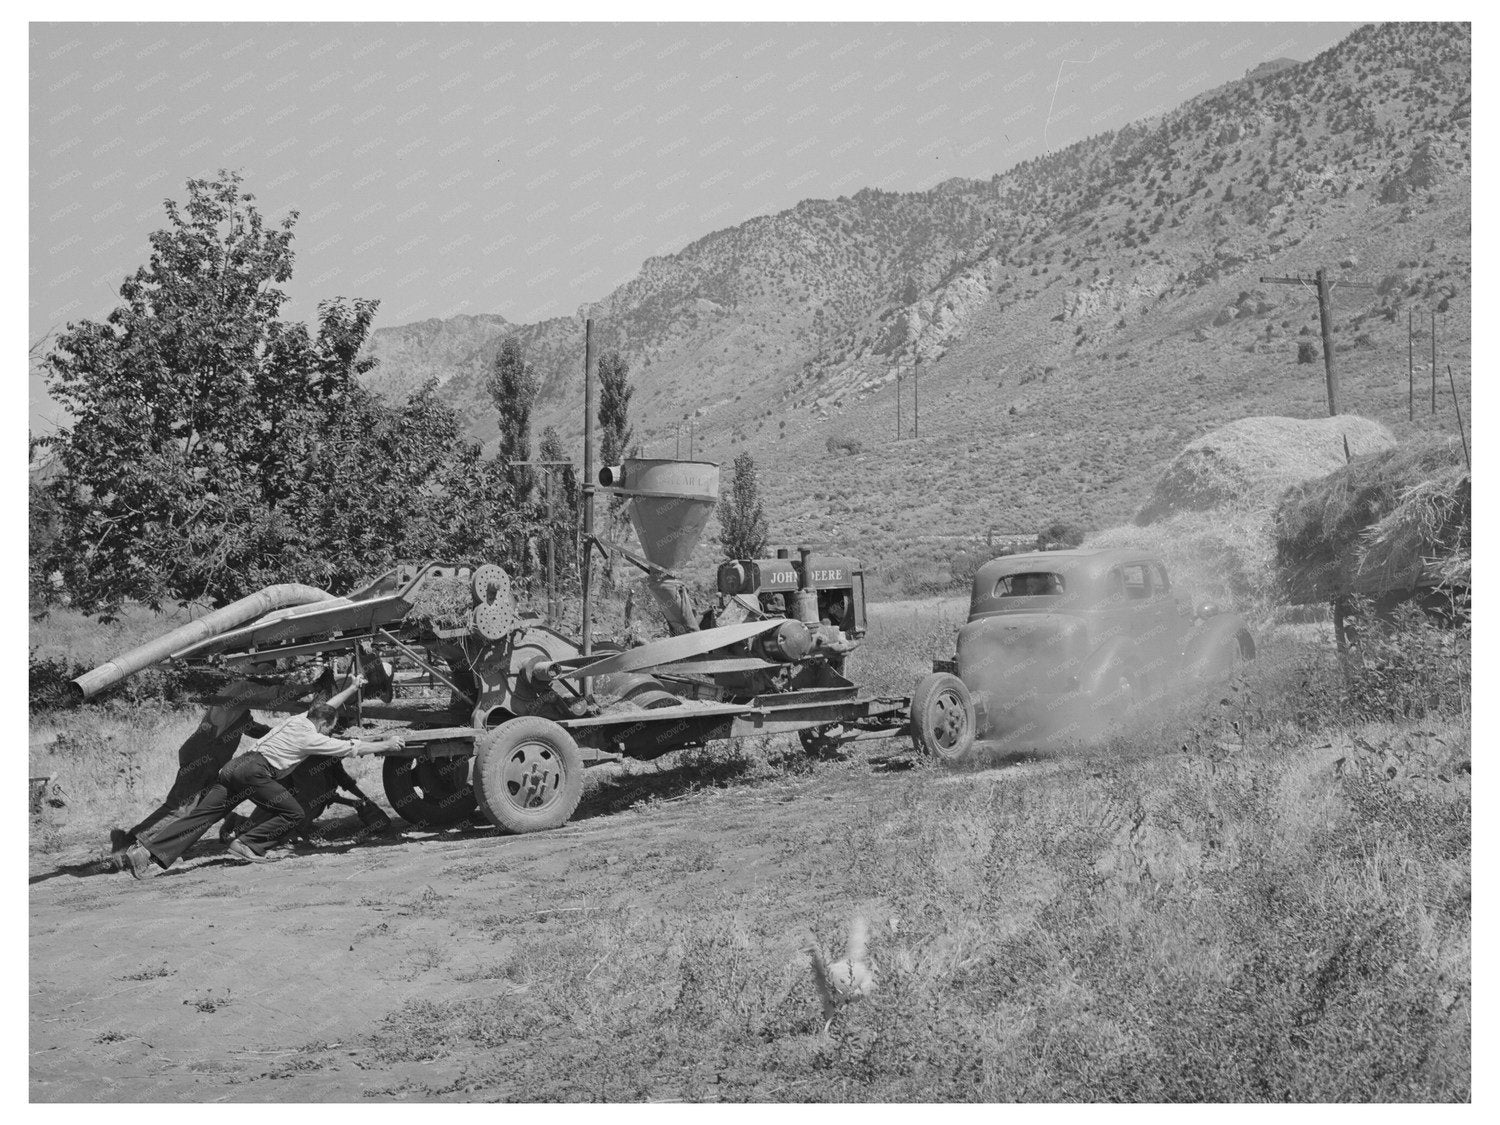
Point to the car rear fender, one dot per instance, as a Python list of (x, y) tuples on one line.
[(1208, 644), (1105, 662)]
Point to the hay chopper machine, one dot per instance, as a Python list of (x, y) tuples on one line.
[(523, 707)]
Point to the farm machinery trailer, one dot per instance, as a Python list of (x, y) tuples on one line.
[(501, 712)]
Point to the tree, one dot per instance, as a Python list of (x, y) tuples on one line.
[(564, 526), (742, 519), (615, 392), (512, 387), (193, 408)]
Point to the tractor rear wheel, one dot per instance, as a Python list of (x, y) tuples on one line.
[(528, 775), (429, 792), (942, 718)]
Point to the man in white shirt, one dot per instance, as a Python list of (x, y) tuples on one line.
[(256, 775)]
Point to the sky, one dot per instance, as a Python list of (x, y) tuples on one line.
[(525, 169)]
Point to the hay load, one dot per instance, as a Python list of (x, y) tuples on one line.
[(1210, 517), (1389, 523), (1251, 462)]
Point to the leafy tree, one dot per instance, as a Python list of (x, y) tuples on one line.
[(565, 520), (615, 392), (742, 519), (214, 448), (193, 408), (512, 387)]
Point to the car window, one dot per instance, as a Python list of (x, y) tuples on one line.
[(1163, 583), (1137, 580), (1029, 585)]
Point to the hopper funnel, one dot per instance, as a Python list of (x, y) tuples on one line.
[(670, 502)]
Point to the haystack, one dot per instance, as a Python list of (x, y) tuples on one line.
[(1210, 517), (1253, 461), (1390, 522)]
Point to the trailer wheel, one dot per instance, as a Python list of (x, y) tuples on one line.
[(942, 718), (528, 775), (429, 792)]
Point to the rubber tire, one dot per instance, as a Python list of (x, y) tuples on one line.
[(401, 778), (1110, 713), (537, 741), (941, 699), (1215, 668)]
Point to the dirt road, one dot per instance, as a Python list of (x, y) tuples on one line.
[(219, 981)]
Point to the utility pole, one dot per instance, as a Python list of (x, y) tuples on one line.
[(1325, 321), (588, 490)]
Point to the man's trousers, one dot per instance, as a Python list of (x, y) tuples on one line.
[(248, 776)]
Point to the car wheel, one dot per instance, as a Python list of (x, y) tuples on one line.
[(942, 718), (1118, 697)]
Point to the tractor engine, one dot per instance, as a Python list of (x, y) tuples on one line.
[(824, 592)]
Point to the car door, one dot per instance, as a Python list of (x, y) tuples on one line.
[(1172, 617)]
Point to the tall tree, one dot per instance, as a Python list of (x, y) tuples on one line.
[(192, 407), (615, 393), (743, 528), (564, 527), (512, 387)]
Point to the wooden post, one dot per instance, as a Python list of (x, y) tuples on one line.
[(1325, 323), (1434, 362), (588, 490), (916, 390), (898, 404), (1459, 411), (692, 424), (1410, 373)]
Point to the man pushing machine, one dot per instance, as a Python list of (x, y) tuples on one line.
[(256, 775)]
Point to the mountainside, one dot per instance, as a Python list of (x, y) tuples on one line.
[(1078, 319)]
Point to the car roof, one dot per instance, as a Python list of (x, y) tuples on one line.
[(1093, 561)]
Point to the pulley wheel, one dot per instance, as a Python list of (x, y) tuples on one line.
[(496, 616)]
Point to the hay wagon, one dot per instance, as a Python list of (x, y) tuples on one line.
[(501, 712)]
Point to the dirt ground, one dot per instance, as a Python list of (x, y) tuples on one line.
[(220, 981)]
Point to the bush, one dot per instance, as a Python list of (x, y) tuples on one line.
[(847, 445), (1060, 536), (49, 686)]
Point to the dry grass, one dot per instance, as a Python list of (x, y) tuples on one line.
[(1384, 522), (1267, 899)]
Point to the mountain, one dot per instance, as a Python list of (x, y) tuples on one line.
[(1077, 318)]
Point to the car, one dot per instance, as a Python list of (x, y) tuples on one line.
[(1069, 643)]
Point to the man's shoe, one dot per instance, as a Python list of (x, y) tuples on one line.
[(231, 824), (139, 863), (241, 850)]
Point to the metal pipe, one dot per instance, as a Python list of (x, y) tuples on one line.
[(227, 617)]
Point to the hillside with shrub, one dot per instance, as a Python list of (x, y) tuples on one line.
[(1078, 318)]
